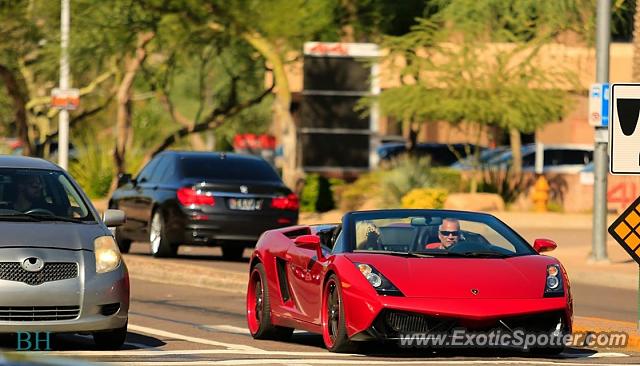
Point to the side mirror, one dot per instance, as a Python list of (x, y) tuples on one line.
[(124, 179), (544, 245), (113, 218), (309, 242)]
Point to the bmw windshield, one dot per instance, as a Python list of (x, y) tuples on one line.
[(435, 234)]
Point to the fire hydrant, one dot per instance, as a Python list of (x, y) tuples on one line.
[(540, 195)]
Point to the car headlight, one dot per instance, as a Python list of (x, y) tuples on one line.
[(379, 282), (107, 254), (553, 284)]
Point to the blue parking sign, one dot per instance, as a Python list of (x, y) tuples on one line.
[(599, 105)]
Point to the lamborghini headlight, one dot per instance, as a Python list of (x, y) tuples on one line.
[(107, 254), (379, 282), (553, 284)]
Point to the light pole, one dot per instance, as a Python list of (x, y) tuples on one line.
[(63, 123), (600, 154)]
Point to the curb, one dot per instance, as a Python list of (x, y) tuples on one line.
[(601, 325), (166, 271)]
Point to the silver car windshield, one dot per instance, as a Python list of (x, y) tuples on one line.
[(43, 195)]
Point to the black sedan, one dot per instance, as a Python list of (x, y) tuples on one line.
[(202, 198)]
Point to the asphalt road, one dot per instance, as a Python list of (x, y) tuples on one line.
[(182, 325)]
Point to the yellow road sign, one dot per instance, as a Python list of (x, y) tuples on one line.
[(626, 230)]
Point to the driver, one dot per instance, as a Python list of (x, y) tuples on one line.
[(448, 233), (29, 193)]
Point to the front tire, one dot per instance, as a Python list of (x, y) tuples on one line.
[(334, 329), (111, 339), (160, 245), (259, 308)]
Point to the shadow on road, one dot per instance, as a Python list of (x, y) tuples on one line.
[(72, 342), (391, 350)]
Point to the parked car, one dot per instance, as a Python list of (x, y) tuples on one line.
[(202, 198), (564, 158), (387, 274), (440, 154), (484, 158), (61, 270)]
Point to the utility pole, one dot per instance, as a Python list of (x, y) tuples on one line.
[(63, 123), (600, 154)]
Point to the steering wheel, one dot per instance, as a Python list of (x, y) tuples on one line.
[(40, 211)]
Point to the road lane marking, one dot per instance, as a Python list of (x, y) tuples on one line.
[(164, 333)]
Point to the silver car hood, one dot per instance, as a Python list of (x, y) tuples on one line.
[(60, 235)]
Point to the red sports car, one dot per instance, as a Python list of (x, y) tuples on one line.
[(386, 274)]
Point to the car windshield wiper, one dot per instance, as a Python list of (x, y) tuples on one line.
[(391, 252), (12, 214), (45, 217), (484, 253), (470, 254)]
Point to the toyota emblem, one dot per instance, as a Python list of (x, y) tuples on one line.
[(32, 264), (244, 189)]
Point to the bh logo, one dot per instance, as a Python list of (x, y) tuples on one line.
[(32, 341)]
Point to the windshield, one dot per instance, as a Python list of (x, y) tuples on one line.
[(441, 234), (45, 195)]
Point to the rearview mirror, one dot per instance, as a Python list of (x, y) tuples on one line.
[(124, 179), (544, 245), (113, 218)]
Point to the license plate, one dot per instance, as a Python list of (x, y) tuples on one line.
[(245, 204)]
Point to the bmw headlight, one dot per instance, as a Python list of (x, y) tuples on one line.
[(107, 254), (553, 286), (379, 282)]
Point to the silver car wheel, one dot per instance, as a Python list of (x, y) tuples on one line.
[(155, 233)]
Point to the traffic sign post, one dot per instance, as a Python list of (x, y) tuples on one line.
[(624, 152)]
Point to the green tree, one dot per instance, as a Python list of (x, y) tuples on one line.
[(480, 62)]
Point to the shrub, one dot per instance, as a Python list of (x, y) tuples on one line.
[(503, 182), (447, 178), (317, 195), (405, 174), (353, 195), (425, 198), (93, 170)]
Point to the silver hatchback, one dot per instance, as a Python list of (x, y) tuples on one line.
[(60, 268)]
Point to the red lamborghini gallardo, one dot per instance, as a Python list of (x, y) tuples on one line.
[(382, 275)]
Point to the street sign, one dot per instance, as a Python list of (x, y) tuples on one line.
[(599, 105), (626, 231), (65, 99), (624, 137)]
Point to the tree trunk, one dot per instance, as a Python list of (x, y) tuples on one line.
[(291, 172), (516, 146), (635, 77), (19, 101), (124, 134)]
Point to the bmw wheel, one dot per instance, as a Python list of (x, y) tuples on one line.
[(160, 245)]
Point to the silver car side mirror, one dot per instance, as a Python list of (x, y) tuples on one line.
[(114, 218)]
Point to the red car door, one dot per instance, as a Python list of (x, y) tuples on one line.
[(304, 274)]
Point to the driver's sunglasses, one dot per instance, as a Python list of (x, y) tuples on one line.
[(447, 233)]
